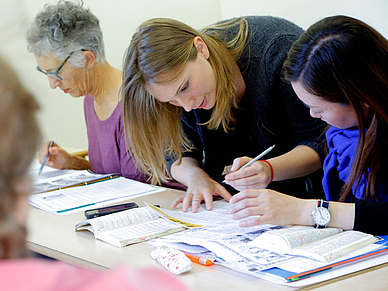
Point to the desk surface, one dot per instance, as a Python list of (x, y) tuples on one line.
[(54, 236)]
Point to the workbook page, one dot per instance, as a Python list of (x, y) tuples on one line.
[(79, 198), (139, 232), (53, 179), (122, 219)]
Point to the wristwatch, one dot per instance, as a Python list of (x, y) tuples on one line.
[(321, 214)]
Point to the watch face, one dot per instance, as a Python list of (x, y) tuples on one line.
[(321, 216)]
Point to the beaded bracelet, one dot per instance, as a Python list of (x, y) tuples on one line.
[(270, 166)]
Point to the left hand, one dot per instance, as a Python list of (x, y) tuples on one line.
[(201, 188), (256, 176), (268, 207)]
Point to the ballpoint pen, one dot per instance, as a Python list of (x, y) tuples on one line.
[(199, 260), (255, 159), (45, 157)]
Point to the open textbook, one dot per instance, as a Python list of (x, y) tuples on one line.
[(131, 226), (94, 195), (321, 244), (232, 246)]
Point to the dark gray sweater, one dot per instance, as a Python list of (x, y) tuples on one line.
[(269, 112)]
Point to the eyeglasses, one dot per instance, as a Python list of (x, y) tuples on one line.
[(54, 74)]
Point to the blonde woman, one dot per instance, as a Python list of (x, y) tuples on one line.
[(208, 98)]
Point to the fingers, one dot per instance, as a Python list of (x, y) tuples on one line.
[(56, 153), (252, 182), (221, 191), (43, 151), (239, 162), (176, 202), (249, 203), (192, 199), (256, 176), (245, 207), (250, 222), (263, 206), (249, 193), (188, 200)]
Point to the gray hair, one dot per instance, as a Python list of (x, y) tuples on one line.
[(64, 28)]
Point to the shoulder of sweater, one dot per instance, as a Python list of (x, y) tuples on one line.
[(273, 25)]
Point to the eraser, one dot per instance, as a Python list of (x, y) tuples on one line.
[(173, 260)]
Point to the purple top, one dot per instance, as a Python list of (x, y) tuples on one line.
[(107, 149)]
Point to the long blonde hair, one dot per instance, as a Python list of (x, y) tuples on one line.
[(165, 46), (19, 136)]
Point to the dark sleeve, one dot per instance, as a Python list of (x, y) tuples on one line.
[(371, 217), (191, 130), (195, 141), (302, 129)]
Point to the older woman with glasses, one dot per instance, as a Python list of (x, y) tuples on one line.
[(67, 42)]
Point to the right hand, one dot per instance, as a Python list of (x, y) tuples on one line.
[(256, 176), (201, 187), (265, 206), (58, 157)]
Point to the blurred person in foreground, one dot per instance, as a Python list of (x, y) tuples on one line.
[(19, 138)]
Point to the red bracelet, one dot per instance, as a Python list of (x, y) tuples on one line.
[(270, 166)]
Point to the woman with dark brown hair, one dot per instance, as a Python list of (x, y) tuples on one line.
[(339, 69)]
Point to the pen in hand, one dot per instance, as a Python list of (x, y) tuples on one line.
[(45, 158), (255, 159)]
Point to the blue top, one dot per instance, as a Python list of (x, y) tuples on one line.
[(342, 145)]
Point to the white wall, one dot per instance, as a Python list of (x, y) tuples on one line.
[(62, 117), (306, 12)]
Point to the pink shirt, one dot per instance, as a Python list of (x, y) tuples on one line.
[(42, 275), (107, 148)]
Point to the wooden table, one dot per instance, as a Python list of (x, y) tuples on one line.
[(54, 236)]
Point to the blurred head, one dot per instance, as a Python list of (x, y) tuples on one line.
[(66, 40), (169, 66), (19, 138), (340, 64)]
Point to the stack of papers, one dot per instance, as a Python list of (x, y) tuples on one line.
[(72, 191), (234, 247), (54, 179)]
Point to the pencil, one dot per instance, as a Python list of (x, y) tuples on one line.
[(45, 157), (255, 159)]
